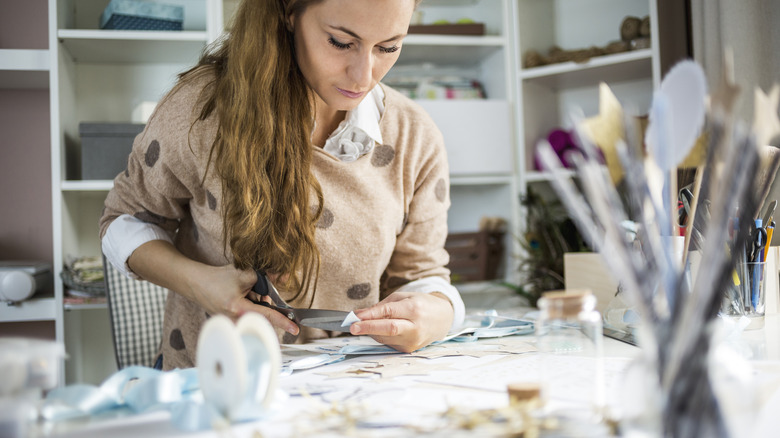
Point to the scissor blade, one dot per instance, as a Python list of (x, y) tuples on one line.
[(322, 319)]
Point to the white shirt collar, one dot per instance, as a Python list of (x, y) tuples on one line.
[(359, 132)]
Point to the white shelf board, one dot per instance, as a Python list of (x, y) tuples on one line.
[(34, 309), (447, 50), (92, 306), (610, 69), (127, 46), (20, 59), (482, 287), (541, 176), (97, 185), (24, 69), (481, 180), (454, 40)]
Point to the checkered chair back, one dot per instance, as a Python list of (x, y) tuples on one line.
[(136, 310)]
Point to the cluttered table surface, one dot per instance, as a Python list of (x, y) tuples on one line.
[(452, 389)]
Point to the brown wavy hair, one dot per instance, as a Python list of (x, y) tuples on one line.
[(262, 151)]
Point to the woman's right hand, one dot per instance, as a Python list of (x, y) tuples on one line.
[(226, 290), (217, 289)]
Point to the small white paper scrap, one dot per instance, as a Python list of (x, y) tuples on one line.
[(350, 319)]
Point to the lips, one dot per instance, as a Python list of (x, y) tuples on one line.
[(351, 94)]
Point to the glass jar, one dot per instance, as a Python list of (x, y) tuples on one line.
[(569, 340)]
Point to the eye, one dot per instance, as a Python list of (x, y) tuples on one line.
[(388, 49), (338, 45)]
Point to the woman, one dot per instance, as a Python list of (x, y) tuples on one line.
[(281, 151)]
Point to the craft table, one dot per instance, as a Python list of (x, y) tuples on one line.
[(436, 392)]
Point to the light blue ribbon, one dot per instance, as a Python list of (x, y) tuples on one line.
[(142, 389)]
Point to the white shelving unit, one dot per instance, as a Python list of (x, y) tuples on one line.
[(26, 69), (547, 94), (479, 134), (100, 76)]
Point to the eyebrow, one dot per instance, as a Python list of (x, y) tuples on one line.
[(353, 34)]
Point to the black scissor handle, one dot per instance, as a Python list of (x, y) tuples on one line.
[(263, 288), (261, 285)]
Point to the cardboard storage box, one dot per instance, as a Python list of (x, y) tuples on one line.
[(105, 147), (474, 256)]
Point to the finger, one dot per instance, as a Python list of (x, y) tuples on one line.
[(247, 278), (275, 318), (382, 327), (392, 298), (403, 306), (256, 298), (381, 310)]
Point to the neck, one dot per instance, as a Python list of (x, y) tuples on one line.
[(327, 119)]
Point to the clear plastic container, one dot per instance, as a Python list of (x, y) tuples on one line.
[(569, 339), (27, 368)]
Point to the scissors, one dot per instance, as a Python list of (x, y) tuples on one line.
[(770, 213), (684, 215), (756, 242), (316, 318)]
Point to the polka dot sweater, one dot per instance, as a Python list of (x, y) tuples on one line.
[(383, 225)]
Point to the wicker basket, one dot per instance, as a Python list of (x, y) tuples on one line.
[(71, 282), (474, 256)]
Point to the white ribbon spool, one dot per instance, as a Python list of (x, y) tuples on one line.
[(238, 365)]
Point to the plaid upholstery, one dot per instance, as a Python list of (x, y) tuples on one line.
[(136, 309)]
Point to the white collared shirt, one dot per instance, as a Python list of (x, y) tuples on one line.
[(359, 132)]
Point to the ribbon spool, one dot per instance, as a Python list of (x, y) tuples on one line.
[(238, 365)]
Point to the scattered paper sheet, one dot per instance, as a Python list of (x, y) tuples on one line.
[(350, 318)]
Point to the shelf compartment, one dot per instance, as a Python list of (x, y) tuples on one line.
[(87, 186), (127, 47), (487, 150), (24, 69), (481, 180), (535, 176), (573, 24), (620, 67), (34, 309)]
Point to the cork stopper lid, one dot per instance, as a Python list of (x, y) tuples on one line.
[(567, 303), (520, 392)]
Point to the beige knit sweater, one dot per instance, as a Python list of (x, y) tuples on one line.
[(383, 225)]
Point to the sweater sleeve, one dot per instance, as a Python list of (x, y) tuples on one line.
[(161, 170), (419, 251)]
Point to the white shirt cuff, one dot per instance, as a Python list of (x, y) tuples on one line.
[(437, 284), (124, 235)]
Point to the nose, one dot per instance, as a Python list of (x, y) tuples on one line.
[(360, 71)]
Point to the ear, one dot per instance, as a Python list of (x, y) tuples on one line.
[(290, 22)]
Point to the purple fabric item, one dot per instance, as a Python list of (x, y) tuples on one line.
[(562, 143)]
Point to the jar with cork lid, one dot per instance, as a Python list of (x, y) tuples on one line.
[(569, 340)]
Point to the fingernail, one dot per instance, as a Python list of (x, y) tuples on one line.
[(294, 330), (354, 329)]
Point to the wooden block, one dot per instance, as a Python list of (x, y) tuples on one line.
[(448, 29), (586, 270)]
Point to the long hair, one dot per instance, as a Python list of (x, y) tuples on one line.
[(262, 151)]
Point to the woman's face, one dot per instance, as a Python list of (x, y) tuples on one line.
[(344, 47)]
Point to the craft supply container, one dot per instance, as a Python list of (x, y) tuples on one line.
[(570, 325), (747, 297)]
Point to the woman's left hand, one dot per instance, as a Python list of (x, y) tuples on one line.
[(406, 321)]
